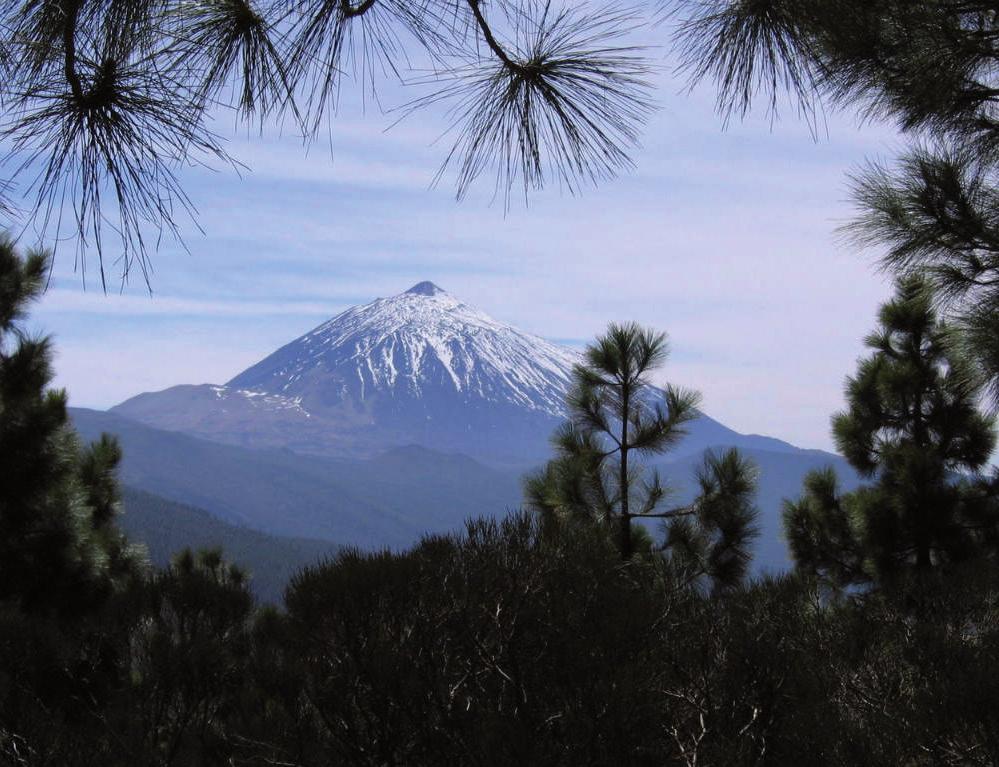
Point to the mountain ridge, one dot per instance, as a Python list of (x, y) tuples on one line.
[(390, 500), (420, 367), (166, 527), (387, 501)]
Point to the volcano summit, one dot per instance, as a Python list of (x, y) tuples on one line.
[(420, 367)]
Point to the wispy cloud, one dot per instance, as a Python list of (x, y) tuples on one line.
[(62, 301), (723, 239)]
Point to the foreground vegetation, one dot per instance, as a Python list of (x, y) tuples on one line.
[(559, 636), (565, 636), (502, 647)]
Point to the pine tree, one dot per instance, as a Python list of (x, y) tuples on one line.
[(616, 418), (59, 547), (188, 659), (911, 426)]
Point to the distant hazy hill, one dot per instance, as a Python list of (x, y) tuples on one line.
[(388, 500), (418, 368), (405, 415), (166, 527)]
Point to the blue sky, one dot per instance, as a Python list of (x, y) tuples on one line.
[(723, 238)]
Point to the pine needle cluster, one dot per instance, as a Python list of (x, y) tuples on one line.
[(106, 101), (929, 67)]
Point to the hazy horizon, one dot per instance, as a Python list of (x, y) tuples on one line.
[(725, 239)]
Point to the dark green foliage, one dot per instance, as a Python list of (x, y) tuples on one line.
[(188, 656), (59, 548), (917, 692), (715, 540), (497, 647), (503, 646), (912, 425), (615, 418), (64, 566)]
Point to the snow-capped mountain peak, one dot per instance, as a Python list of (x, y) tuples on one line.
[(422, 344), (426, 288), (420, 367)]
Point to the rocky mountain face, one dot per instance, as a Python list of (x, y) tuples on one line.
[(418, 368)]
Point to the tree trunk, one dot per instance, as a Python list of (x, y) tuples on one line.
[(923, 561), (923, 558), (626, 545), (922, 511)]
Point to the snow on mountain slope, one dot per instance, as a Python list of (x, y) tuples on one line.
[(411, 344), (420, 368)]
